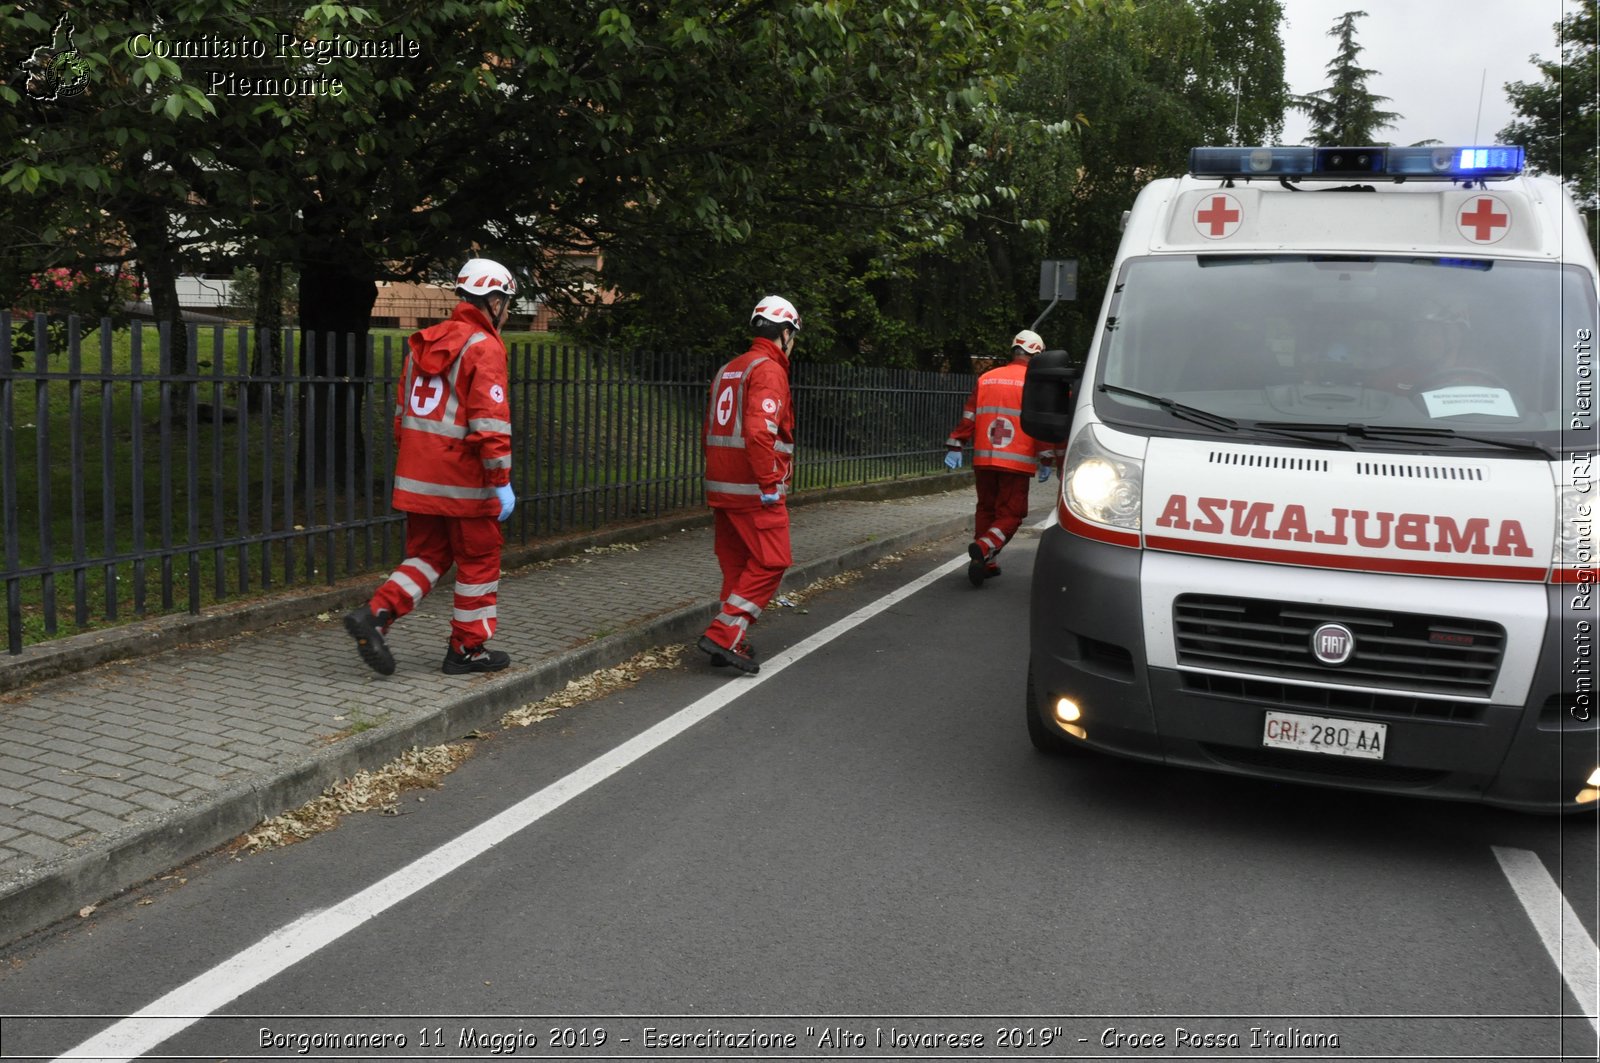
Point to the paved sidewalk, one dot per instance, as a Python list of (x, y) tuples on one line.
[(125, 770)]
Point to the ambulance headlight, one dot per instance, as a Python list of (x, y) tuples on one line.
[(1100, 486), (1575, 544)]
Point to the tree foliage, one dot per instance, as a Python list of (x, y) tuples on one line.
[(1559, 117), (897, 167), (1346, 112)]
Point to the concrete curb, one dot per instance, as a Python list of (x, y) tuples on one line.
[(122, 859), (75, 653)]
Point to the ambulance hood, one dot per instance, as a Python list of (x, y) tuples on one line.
[(1412, 514)]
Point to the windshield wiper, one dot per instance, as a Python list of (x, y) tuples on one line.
[(1384, 432), (1217, 420), (1177, 409)]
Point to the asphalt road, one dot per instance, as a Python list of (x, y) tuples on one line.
[(858, 854)]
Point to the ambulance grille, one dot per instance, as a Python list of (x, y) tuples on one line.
[(1404, 471), (1268, 461), (1393, 650)]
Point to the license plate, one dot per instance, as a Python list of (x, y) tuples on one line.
[(1320, 734)]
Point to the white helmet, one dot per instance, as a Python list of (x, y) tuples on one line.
[(1028, 341), (777, 309), (483, 276)]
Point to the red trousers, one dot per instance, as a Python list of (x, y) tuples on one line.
[(433, 544), (752, 546), (1002, 506)]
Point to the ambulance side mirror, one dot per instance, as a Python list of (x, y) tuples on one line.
[(1049, 394)]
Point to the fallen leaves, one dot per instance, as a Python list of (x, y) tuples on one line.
[(365, 791), (596, 684)]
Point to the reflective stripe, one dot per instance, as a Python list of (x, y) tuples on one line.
[(745, 604), (1014, 411), (433, 428), (409, 585), (734, 489), (737, 442), (783, 448), (467, 616), (952, 441), (1008, 455), (428, 572), (967, 415), (734, 620), (422, 487), (497, 463), (489, 424), (474, 590)]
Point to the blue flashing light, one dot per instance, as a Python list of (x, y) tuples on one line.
[(1498, 160), (1435, 163)]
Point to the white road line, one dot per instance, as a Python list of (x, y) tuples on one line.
[(1564, 937), (201, 996)]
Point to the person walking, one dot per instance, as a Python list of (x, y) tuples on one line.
[(452, 475), (1004, 457), (749, 441)]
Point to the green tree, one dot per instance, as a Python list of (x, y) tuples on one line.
[(1558, 117), (1346, 112)]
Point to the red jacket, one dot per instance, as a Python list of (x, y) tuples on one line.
[(749, 429), (452, 419), (992, 420)]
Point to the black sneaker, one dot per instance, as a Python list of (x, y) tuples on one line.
[(367, 629), (975, 568), (745, 647), (720, 655), (474, 659)]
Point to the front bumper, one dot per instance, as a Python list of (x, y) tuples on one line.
[(1088, 642)]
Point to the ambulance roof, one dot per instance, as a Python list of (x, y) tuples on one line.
[(1471, 202)]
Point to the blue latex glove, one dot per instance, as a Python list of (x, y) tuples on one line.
[(1044, 473), (770, 500), (952, 460), (508, 500)]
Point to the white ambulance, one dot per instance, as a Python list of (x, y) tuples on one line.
[(1325, 514)]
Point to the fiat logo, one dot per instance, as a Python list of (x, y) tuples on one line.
[(1333, 643)]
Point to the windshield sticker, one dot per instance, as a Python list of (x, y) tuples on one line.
[(1453, 402)]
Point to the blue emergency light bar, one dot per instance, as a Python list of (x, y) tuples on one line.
[(1497, 161)]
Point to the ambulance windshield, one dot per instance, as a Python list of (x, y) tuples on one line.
[(1486, 348)]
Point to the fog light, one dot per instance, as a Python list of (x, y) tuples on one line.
[(1067, 711), (1594, 778), (1589, 796), (1075, 731)]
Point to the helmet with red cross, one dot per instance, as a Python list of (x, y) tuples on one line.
[(1028, 342)]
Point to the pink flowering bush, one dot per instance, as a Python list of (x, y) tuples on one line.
[(61, 292)]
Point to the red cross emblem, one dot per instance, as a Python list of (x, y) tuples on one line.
[(1485, 221), (1001, 433), (1218, 216)]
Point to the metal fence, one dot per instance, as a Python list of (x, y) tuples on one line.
[(132, 487)]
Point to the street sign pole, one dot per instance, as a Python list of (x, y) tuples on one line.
[(1058, 280)]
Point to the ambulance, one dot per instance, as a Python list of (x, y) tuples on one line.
[(1326, 508)]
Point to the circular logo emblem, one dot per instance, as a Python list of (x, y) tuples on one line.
[(426, 394), (769, 405), (1001, 432), (1332, 644), (1484, 219), (497, 393), (1218, 216)]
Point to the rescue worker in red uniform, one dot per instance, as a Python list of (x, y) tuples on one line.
[(749, 439), (452, 477), (1004, 457)]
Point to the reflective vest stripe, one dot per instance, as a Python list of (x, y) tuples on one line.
[(489, 424), (1007, 455), (423, 487), (726, 488)]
